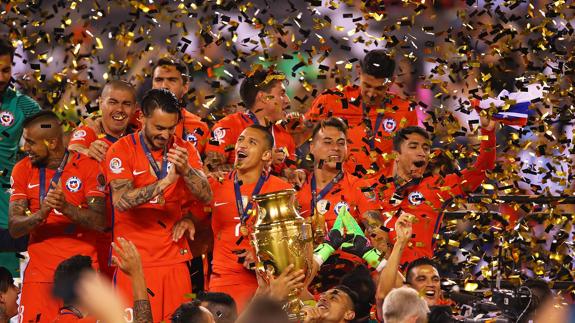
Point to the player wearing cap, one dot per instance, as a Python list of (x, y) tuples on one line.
[(373, 115), (231, 209), (150, 173), (425, 196), (264, 95), (57, 199), (173, 74)]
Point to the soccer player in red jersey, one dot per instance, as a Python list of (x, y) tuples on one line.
[(172, 74), (117, 105), (329, 189), (57, 198), (425, 196), (231, 209), (150, 173), (264, 95), (372, 113)]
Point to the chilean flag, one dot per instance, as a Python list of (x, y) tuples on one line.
[(513, 107)]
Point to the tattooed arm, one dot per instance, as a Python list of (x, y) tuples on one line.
[(93, 217), (20, 224), (216, 162), (198, 184), (125, 196)]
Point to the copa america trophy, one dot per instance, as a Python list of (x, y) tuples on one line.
[(281, 237)]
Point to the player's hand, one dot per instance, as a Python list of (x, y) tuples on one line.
[(97, 295), (172, 176), (404, 227), (278, 156), (98, 149), (295, 122), (314, 315), (248, 259), (128, 258), (183, 225), (179, 157), (289, 280), (55, 198), (94, 123), (296, 177), (486, 122)]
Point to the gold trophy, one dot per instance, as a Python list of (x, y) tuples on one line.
[(281, 237)]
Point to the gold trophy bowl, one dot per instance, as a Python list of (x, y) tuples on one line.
[(281, 237)]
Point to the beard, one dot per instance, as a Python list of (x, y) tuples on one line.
[(151, 142)]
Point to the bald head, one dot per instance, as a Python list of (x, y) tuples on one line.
[(118, 85), (46, 123)]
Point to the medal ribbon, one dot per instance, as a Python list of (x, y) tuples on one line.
[(367, 120), (239, 203), (160, 173), (54, 179), (316, 197)]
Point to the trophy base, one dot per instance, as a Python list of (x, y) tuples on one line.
[(294, 309)]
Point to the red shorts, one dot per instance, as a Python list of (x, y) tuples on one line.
[(37, 303), (240, 287), (170, 286)]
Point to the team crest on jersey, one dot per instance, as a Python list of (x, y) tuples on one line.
[(6, 118), (389, 125), (415, 198), (73, 184), (322, 206), (191, 137), (79, 134), (218, 134), (116, 165), (338, 207)]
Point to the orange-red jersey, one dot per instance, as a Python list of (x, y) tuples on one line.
[(58, 238), (426, 199), (149, 225), (346, 192), (194, 130), (84, 136), (67, 316), (368, 155), (225, 133), (226, 221)]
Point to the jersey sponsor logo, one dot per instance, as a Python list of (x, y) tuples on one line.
[(216, 204), (79, 134), (338, 207), (73, 184), (6, 118), (31, 186), (219, 134), (415, 198), (191, 137), (389, 125), (138, 172), (116, 165)]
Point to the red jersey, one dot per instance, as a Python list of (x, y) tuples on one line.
[(226, 221), (426, 199), (193, 129), (58, 238), (368, 156), (66, 316), (149, 225), (345, 193), (225, 133)]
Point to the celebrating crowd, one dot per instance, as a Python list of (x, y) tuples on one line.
[(117, 214)]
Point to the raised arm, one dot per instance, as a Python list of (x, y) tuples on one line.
[(21, 224), (388, 279)]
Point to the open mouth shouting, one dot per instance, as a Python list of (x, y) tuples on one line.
[(241, 155), (119, 116)]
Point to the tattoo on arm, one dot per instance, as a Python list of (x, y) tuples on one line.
[(216, 162), (93, 217), (198, 184), (142, 311), (20, 224), (125, 196)]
